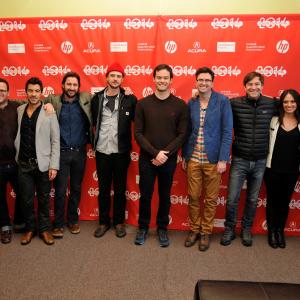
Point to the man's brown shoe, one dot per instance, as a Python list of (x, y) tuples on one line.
[(47, 238), (74, 228), (120, 230), (58, 233), (27, 237), (204, 242), (191, 239)]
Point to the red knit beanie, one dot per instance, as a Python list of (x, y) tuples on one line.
[(115, 67)]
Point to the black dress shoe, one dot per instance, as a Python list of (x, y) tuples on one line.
[(273, 239), (120, 230), (280, 239), (100, 231), (6, 236)]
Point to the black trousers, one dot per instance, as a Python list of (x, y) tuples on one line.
[(31, 180), (72, 165), (280, 187), (112, 169), (9, 174), (148, 175)]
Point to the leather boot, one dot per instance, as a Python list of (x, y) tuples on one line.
[(273, 239), (281, 238)]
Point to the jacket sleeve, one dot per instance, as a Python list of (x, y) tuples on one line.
[(227, 125), (55, 143)]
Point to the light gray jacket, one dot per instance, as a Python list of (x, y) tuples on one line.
[(47, 139)]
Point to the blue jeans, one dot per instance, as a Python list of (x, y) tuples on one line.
[(240, 170), (72, 166)]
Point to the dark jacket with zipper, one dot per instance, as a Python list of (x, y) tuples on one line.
[(126, 110), (251, 122)]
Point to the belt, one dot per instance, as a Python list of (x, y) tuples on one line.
[(29, 162), (74, 149)]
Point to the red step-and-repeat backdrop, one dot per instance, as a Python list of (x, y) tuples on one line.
[(231, 45)]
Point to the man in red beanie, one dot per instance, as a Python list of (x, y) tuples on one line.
[(112, 115)]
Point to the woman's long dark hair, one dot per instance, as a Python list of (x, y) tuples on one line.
[(296, 97)]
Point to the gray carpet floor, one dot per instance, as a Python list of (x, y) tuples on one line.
[(83, 267)]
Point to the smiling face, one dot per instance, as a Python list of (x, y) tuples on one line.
[(204, 83), (162, 80), (254, 88), (34, 94), (70, 87), (289, 104)]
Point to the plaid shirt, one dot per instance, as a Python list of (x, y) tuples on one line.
[(199, 154)]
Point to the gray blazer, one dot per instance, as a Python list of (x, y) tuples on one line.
[(47, 139)]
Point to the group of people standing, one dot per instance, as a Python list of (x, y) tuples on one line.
[(45, 140)]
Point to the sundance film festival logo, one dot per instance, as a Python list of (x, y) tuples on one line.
[(138, 23), (93, 192), (136, 70), (91, 48), (221, 201), (133, 196), (261, 202), (223, 23), (52, 25), (226, 71), (297, 187), (170, 47), (183, 70), (48, 90), (271, 22), (95, 176), (147, 91), (295, 204), (66, 47), (196, 48), (55, 70), (264, 225), (15, 71), (182, 200), (134, 156), (95, 70), (92, 24), (181, 24), (12, 25), (282, 46), (269, 71)]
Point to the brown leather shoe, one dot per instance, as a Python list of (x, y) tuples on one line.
[(6, 236), (74, 228), (191, 239), (204, 242), (47, 238), (120, 230), (27, 237), (58, 233)]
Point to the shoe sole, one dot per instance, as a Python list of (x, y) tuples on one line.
[(164, 245), (58, 236)]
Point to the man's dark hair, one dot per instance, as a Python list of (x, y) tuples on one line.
[(34, 80), (5, 81), (205, 70), (71, 74), (163, 67), (252, 75), (296, 97)]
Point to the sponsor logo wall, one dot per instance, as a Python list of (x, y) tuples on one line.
[(231, 45)]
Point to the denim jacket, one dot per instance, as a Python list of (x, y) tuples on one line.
[(217, 128)]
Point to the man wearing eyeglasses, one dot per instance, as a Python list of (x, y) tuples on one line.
[(8, 167), (206, 153)]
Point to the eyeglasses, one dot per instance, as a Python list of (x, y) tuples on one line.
[(3, 91), (204, 80)]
